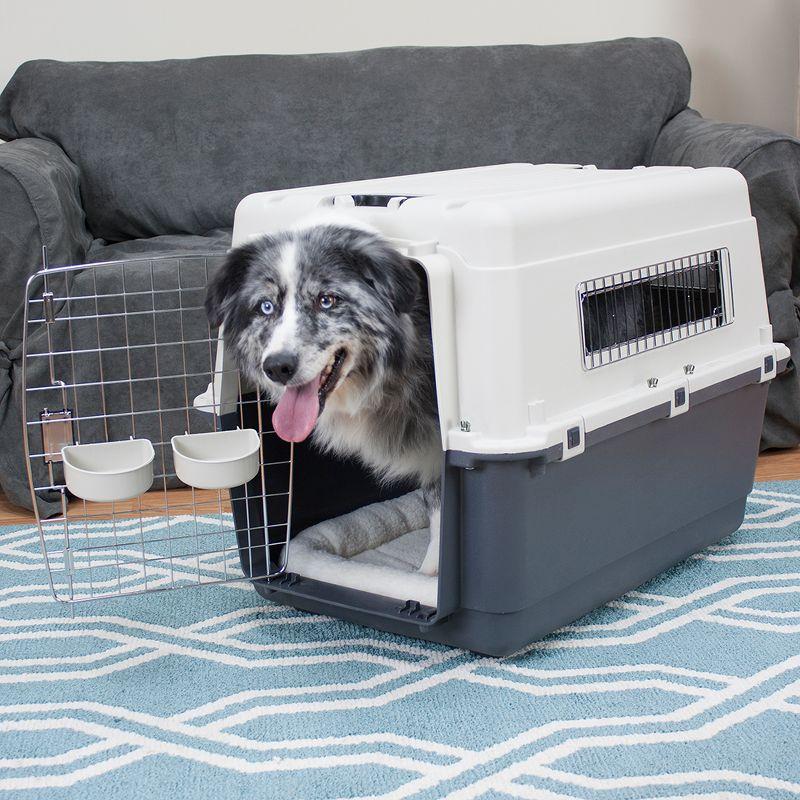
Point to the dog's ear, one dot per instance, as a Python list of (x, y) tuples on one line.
[(221, 290), (390, 274)]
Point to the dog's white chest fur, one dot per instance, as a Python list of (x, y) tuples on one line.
[(354, 434)]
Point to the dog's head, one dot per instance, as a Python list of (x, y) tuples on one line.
[(313, 316)]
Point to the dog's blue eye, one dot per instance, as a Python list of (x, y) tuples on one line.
[(267, 307), (326, 301)]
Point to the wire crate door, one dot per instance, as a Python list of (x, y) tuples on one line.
[(127, 439)]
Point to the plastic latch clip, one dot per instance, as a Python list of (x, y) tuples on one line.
[(679, 398), (769, 366), (573, 438)]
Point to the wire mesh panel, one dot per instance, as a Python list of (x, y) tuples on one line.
[(631, 312), (123, 351)]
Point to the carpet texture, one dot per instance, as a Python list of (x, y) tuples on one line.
[(688, 687)]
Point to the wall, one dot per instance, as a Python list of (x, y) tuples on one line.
[(744, 53)]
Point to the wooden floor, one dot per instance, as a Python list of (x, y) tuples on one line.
[(778, 465), (179, 500)]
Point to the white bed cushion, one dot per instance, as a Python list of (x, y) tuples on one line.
[(376, 549)]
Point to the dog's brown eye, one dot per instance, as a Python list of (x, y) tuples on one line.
[(326, 301)]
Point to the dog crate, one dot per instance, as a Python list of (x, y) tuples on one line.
[(602, 354)]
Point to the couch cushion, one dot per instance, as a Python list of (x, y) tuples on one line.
[(172, 146), (217, 241)]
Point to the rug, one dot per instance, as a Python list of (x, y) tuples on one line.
[(688, 687)]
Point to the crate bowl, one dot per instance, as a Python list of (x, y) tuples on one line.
[(217, 460), (108, 472)]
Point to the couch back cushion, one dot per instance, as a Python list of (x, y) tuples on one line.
[(172, 146)]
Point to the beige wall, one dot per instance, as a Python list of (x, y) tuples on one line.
[(744, 53)]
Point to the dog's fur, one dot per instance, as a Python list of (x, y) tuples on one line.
[(381, 404)]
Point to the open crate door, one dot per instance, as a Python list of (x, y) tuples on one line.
[(163, 466), (114, 355)]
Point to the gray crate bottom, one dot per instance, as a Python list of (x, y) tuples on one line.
[(502, 634), (529, 546)]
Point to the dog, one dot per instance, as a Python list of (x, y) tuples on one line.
[(333, 324)]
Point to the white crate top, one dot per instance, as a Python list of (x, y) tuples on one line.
[(507, 248), (512, 214)]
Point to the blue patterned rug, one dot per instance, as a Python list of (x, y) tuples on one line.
[(686, 688)]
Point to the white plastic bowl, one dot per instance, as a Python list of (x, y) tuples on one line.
[(109, 471), (218, 460)]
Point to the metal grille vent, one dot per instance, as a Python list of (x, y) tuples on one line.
[(631, 312)]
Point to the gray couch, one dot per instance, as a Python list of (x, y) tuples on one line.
[(115, 160)]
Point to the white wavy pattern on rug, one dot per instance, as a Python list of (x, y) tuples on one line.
[(686, 688)]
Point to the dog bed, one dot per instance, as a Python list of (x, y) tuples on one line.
[(376, 549)]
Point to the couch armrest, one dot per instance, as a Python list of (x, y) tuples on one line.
[(41, 206), (770, 162)]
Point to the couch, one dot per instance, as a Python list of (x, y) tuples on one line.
[(119, 160)]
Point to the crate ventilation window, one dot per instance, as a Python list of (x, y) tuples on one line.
[(630, 312)]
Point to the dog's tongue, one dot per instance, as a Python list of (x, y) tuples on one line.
[(297, 411)]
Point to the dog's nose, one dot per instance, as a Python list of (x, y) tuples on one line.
[(280, 367)]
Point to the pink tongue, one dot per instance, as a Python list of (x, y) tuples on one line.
[(297, 411)]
